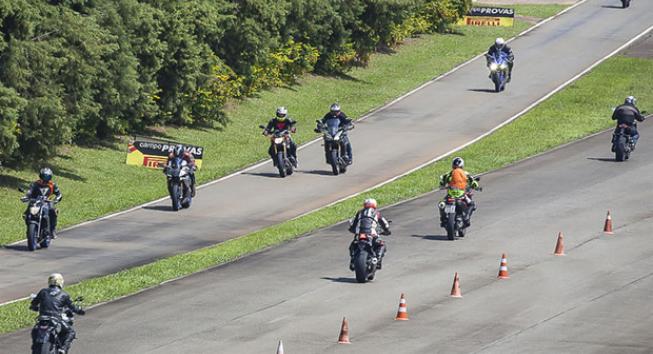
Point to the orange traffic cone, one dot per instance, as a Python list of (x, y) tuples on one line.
[(402, 313), (503, 268), (280, 347), (344, 332), (455, 289), (607, 228), (560, 246)]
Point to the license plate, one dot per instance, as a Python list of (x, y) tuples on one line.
[(450, 208)]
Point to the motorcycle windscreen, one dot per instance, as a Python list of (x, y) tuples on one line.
[(332, 126)]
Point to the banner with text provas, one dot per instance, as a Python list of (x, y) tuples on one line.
[(489, 16), (151, 154)]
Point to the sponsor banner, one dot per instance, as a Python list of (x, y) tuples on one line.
[(151, 153), (489, 16)]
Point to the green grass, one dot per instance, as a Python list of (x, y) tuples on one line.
[(95, 180), (581, 109)]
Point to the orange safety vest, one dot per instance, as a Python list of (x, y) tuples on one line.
[(458, 179)]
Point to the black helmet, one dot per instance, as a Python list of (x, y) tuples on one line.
[(45, 174), (178, 150), (458, 162)]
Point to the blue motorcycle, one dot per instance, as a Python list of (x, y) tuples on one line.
[(499, 70)]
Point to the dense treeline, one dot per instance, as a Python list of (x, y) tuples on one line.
[(74, 71)]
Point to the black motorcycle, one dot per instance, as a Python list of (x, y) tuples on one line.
[(45, 333), (622, 143), (280, 141), (365, 257), (452, 209), (178, 174), (334, 146), (37, 220), (625, 3)]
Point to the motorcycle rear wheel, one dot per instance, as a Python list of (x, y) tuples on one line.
[(620, 150), (360, 266), (451, 226)]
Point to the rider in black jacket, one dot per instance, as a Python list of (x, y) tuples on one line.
[(46, 187), (279, 123), (335, 112), (629, 115), (52, 302), (501, 46)]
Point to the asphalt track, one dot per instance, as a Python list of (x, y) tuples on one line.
[(428, 123), (595, 299)]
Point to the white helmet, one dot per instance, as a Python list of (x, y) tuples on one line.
[(500, 42), (55, 279), (282, 112), (458, 162), (335, 108), (369, 203), (630, 100)]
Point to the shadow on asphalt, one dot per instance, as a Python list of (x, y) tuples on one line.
[(263, 174), (341, 279), (19, 248), (432, 237), (318, 172), (158, 207), (612, 7), (603, 159), (482, 90)]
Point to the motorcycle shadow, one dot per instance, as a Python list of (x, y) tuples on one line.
[(603, 159), (318, 172), (166, 207), (341, 279), (612, 7), (19, 248), (263, 174), (432, 237), (482, 90)]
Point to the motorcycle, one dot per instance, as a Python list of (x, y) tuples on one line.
[(281, 144), (498, 65), (37, 221), (622, 143), (452, 209), (365, 257), (45, 333), (625, 3), (178, 175), (334, 147)]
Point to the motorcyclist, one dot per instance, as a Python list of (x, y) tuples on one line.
[(44, 186), (501, 46), (179, 151), (366, 221), (458, 182), (335, 112), (629, 115), (52, 302), (279, 123)]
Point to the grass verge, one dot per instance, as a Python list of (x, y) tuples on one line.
[(581, 109), (86, 173)]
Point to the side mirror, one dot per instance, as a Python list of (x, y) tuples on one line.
[(79, 299), (21, 189), (318, 121), (32, 296), (477, 178), (644, 113), (262, 126)]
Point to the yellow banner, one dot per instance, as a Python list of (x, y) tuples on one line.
[(487, 21), (150, 154)]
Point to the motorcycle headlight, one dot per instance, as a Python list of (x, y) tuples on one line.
[(278, 140), (34, 210), (503, 66), (494, 66)]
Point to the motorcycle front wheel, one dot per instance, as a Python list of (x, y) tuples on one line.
[(174, 195), (31, 236), (281, 164), (334, 161)]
